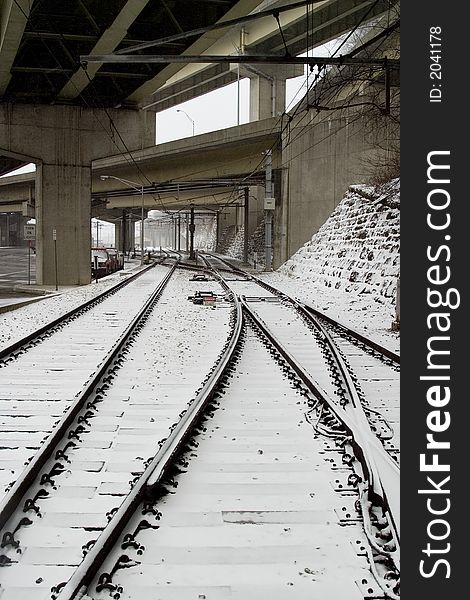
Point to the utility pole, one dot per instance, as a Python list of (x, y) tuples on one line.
[(268, 212), (191, 235), (187, 232), (124, 234), (179, 232), (245, 226)]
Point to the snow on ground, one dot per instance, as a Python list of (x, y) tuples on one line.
[(18, 323), (349, 269)]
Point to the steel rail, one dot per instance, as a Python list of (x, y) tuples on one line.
[(384, 473), (16, 494), (354, 334), (156, 471), (63, 318), (310, 309)]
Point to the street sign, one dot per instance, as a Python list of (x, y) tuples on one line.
[(29, 232), (269, 203), (54, 235)]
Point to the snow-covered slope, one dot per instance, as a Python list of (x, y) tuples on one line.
[(350, 267), (357, 249)]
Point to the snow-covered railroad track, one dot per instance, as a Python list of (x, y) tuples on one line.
[(42, 382), (378, 383), (380, 352), (80, 480), (322, 365), (20, 346), (243, 500), (340, 330), (375, 370)]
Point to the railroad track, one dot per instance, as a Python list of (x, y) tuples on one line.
[(340, 329), (374, 368), (22, 345), (46, 371), (101, 445), (240, 453)]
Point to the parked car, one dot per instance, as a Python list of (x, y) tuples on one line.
[(101, 262)]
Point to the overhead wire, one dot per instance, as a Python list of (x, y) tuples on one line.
[(384, 35), (130, 158)]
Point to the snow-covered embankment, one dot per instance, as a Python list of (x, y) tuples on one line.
[(350, 267)]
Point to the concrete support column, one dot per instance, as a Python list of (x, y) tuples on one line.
[(118, 236), (268, 88), (63, 204), (131, 235), (278, 232), (267, 97), (63, 141)]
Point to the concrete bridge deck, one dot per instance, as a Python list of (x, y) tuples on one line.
[(227, 153)]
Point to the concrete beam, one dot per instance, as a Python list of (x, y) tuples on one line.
[(108, 42), (197, 77), (231, 152), (17, 189), (13, 18), (214, 197), (225, 153), (144, 94), (331, 18), (25, 208)]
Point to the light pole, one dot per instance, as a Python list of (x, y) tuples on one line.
[(139, 188), (98, 227), (185, 113)]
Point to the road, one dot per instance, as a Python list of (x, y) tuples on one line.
[(14, 268)]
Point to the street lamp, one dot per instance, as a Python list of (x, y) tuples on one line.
[(185, 113), (139, 188), (98, 227)]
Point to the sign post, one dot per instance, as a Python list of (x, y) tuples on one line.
[(54, 237), (29, 234)]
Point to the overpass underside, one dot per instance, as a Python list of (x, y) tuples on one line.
[(49, 116), (312, 168)]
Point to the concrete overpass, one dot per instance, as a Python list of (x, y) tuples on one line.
[(224, 160), (222, 163), (65, 116)]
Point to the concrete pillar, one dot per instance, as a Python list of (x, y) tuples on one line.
[(118, 236), (131, 235), (267, 97), (63, 204), (63, 141), (268, 88)]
